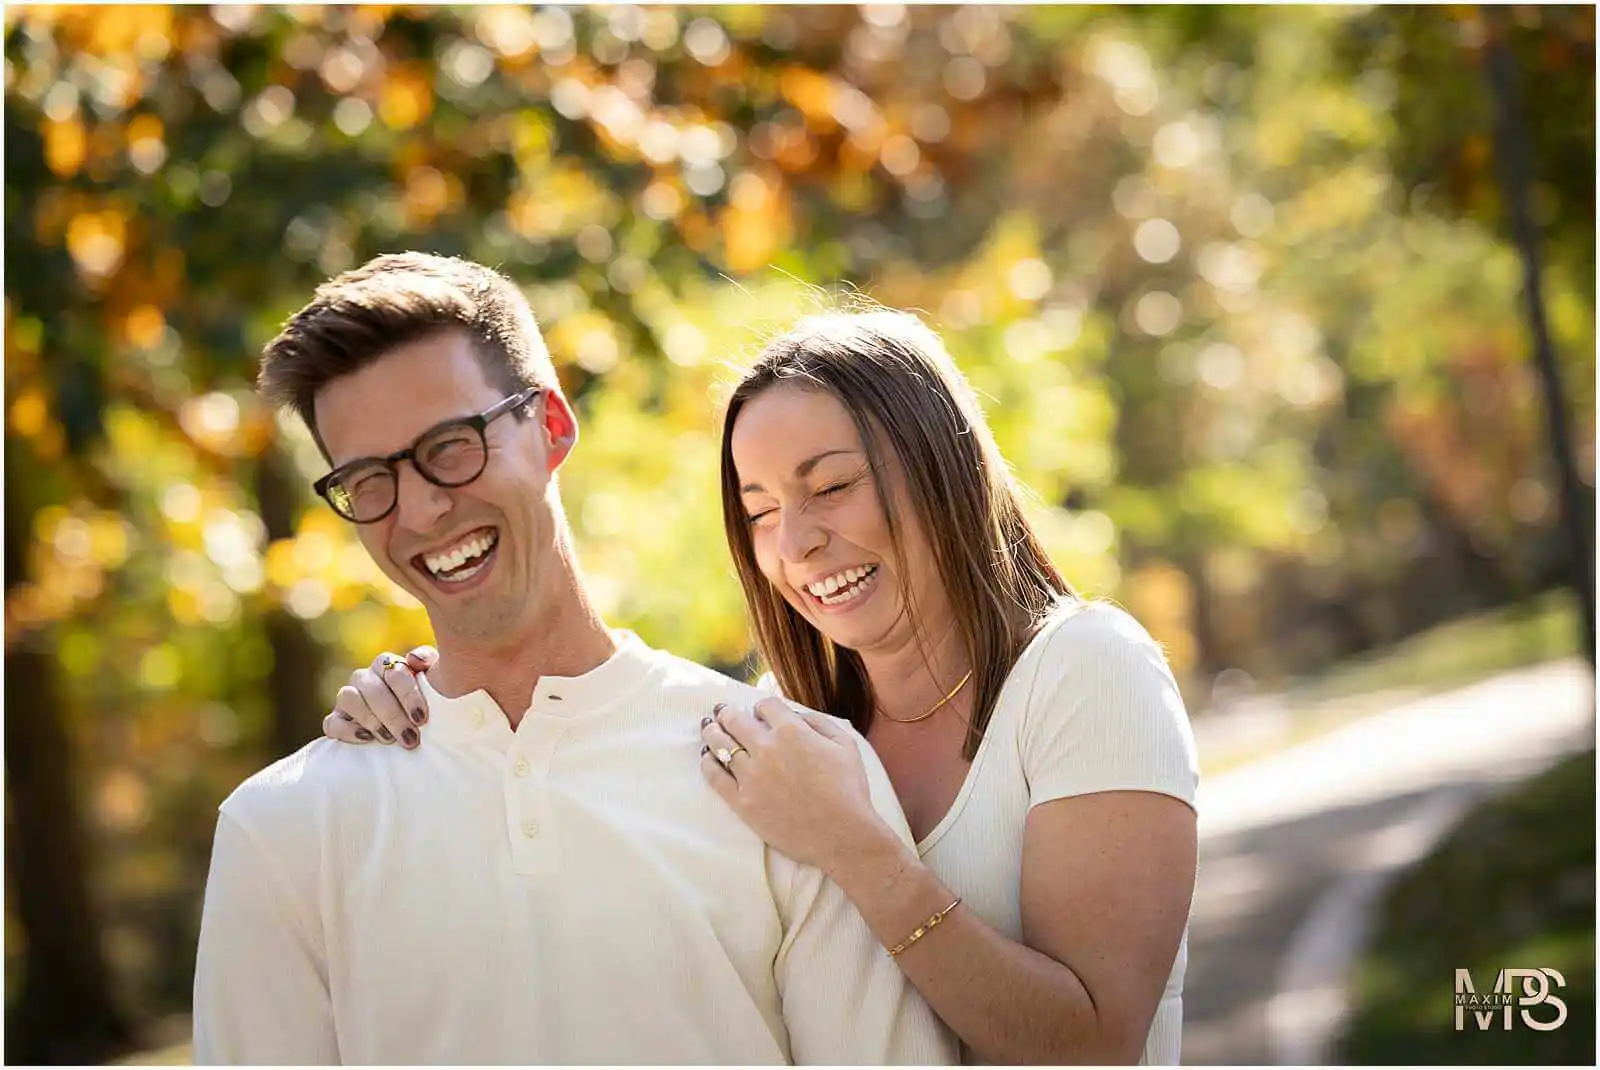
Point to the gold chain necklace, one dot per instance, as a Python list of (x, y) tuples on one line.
[(937, 706)]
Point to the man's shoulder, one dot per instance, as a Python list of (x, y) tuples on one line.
[(685, 678), (293, 789), (697, 681), (691, 680)]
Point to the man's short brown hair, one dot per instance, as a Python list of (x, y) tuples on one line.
[(397, 298)]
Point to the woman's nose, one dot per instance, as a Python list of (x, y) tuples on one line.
[(799, 537)]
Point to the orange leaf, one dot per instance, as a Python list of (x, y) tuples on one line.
[(97, 241), (407, 97), (66, 144), (144, 326)]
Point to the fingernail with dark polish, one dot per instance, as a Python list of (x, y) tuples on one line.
[(705, 722), (719, 707), (410, 737), (383, 733), (419, 715), (704, 750), (363, 735)]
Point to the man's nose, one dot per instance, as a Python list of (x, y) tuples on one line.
[(419, 504)]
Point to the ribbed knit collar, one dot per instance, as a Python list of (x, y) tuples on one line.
[(477, 718)]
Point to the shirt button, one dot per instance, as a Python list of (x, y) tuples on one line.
[(477, 718), (522, 767), (530, 829)]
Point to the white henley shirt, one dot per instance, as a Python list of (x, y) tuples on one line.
[(569, 893)]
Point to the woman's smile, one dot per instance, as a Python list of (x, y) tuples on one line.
[(841, 592)]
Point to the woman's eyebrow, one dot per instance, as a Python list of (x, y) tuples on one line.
[(801, 470)]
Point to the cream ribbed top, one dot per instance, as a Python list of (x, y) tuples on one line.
[(1090, 706), (569, 893)]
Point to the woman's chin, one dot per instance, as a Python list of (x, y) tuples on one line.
[(854, 635), (854, 627)]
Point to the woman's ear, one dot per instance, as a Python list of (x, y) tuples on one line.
[(560, 427)]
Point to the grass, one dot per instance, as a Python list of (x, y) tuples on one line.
[(1457, 652), (1446, 656), (1512, 887)]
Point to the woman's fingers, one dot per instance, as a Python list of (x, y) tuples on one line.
[(741, 724), (830, 727), (373, 693), (773, 712), (719, 778), (401, 678), (715, 740), (350, 707), (383, 701), (339, 726)]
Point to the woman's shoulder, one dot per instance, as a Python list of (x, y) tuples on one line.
[(1081, 632), (1102, 709), (1086, 648)]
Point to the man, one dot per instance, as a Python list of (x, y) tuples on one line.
[(550, 880)]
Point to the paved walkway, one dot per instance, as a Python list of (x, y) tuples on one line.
[(1296, 849)]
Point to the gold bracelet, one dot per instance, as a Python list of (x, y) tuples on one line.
[(922, 930)]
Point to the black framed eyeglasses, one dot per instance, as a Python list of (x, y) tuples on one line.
[(453, 454)]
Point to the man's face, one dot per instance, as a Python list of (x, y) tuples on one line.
[(475, 555)]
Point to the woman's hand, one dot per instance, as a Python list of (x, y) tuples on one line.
[(795, 778), (383, 701)]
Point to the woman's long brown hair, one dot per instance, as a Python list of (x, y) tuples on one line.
[(905, 396)]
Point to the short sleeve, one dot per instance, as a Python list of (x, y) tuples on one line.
[(1103, 712)]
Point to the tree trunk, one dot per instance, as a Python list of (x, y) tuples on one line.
[(298, 705), (297, 658), (1512, 153), (65, 1012), (1201, 619)]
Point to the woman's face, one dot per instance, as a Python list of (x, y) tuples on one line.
[(819, 534)]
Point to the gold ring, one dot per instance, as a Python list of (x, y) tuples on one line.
[(726, 756), (388, 661)]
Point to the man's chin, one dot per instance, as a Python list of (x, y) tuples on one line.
[(483, 623)]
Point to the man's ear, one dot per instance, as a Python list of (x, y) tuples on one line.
[(560, 428)]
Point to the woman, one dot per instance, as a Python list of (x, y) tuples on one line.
[(1037, 742)]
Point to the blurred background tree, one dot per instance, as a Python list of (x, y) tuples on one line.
[(1237, 289)]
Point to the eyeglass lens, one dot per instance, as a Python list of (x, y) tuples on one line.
[(449, 456)]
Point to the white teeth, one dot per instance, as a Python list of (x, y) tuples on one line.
[(475, 547), (462, 577), (850, 592), (837, 582)]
